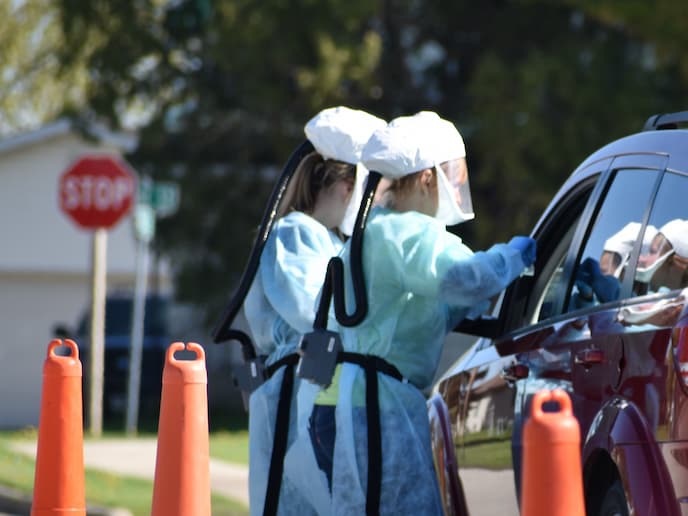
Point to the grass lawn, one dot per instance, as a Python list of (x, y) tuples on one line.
[(485, 451), (108, 490), (230, 446)]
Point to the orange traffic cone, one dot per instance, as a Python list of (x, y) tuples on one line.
[(552, 479), (58, 487), (182, 465)]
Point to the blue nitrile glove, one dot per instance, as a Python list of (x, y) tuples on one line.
[(606, 287), (584, 278), (526, 246), (588, 270)]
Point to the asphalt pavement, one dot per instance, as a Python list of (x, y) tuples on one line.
[(135, 457)]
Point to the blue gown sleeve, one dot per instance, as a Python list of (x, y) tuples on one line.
[(479, 277), (293, 268), (428, 260)]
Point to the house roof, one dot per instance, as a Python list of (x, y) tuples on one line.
[(124, 141)]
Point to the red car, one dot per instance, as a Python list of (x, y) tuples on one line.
[(605, 318)]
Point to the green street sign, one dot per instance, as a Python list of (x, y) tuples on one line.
[(165, 199), (163, 196)]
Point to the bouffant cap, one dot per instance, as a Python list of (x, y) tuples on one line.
[(676, 232), (340, 133), (412, 143)]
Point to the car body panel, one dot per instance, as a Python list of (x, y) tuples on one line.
[(447, 467)]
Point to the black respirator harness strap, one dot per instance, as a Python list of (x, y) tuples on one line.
[(279, 445), (223, 331), (372, 365), (290, 359)]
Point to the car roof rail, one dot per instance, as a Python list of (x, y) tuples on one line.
[(666, 121)]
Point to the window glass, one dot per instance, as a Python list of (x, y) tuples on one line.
[(663, 261), (544, 309), (602, 265), (554, 243), (555, 279)]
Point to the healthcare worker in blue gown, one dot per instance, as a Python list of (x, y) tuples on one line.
[(319, 206), (421, 281)]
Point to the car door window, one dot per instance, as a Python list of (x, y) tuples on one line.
[(548, 300), (663, 262), (554, 241), (600, 269)]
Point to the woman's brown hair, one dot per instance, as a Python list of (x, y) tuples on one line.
[(400, 187), (313, 175)]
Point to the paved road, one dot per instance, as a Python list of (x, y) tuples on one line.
[(484, 494), (136, 458)]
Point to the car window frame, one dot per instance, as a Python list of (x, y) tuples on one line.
[(598, 175), (509, 310), (502, 322), (645, 161)]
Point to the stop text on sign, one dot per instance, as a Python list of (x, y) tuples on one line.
[(93, 192)]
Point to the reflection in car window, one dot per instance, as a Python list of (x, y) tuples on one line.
[(663, 262), (602, 265)]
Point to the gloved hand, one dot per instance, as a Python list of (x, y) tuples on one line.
[(589, 276), (584, 278), (526, 246)]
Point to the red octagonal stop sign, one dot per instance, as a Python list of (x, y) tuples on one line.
[(97, 191)]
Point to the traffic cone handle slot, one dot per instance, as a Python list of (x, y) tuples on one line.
[(68, 343), (557, 395), (189, 346)]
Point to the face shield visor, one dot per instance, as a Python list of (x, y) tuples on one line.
[(648, 263), (349, 220), (454, 194)]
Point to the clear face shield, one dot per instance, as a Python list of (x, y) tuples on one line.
[(349, 220), (652, 258), (454, 193)]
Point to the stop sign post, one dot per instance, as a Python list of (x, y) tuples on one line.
[(96, 192)]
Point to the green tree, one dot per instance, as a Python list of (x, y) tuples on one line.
[(222, 89), (549, 85), (34, 85)]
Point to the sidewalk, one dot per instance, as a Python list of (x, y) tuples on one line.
[(136, 457)]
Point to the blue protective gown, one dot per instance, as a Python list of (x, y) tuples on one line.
[(421, 281), (279, 308)]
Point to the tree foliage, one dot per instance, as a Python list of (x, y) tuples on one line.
[(221, 91), (34, 85)]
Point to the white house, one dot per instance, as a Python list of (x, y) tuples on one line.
[(45, 258), (45, 269)]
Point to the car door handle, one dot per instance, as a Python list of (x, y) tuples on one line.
[(515, 372), (588, 357)]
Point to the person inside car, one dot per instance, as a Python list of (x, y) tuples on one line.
[(663, 267), (600, 282), (618, 247), (280, 304), (421, 280)]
